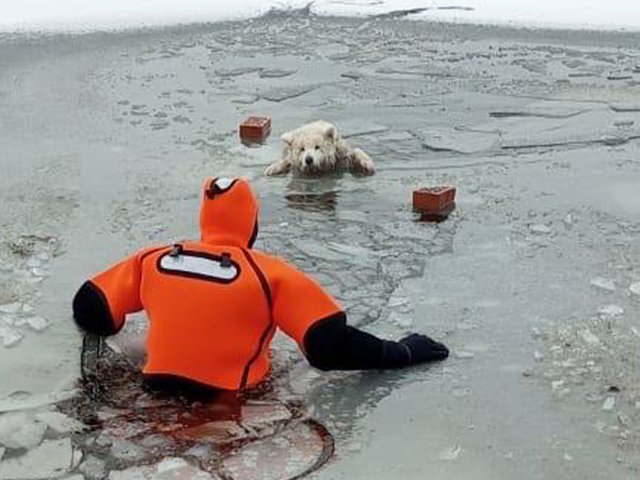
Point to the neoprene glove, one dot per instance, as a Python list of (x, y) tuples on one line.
[(424, 349)]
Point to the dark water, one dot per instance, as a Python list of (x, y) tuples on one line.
[(226, 434)]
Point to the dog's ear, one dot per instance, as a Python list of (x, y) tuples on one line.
[(287, 138), (331, 133)]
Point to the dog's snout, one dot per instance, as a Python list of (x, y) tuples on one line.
[(308, 159)]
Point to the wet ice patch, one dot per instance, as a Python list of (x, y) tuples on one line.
[(625, 107), (350, 129), (544, 109), (456, 140), (333, 251), (281, 94), (576, 129), (401, 320), (401, 309)]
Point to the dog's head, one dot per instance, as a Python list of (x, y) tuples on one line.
[(312, 148)]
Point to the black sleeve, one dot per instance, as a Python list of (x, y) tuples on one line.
[(331, 344), (91, 311)]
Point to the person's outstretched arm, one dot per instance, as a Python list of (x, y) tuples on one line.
[(101, 303), (331, 344), (309, 315)]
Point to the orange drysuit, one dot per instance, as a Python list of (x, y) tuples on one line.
[(214, 304)]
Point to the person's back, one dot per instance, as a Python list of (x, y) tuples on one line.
[(214, 305)]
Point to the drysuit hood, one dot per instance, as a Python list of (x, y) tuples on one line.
[(229, 213)]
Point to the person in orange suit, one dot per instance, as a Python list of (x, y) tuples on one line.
[(214, 305)]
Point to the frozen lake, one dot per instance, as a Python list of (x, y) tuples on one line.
[(534, 282)]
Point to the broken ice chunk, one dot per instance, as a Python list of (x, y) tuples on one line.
[(10, 308), (39, 272), (170, 468), (611, 311), (126, 451), (464, 355), (52, 459), (604, 284), (608, 404), (17, 430), (540, 229), (635, 288), (38, 323), (9, 336), (93, 468), (171, 464), (588, 337), (33, 262), (59, 422), (451, 454)]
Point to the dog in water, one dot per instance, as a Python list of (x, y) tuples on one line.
[(317, 148)]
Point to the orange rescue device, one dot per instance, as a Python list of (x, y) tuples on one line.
[(213, 304)]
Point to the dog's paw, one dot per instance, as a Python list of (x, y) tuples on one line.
[(277, 168), (367, 167), (363, 164)]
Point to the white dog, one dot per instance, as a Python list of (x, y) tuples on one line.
[(317, 148)]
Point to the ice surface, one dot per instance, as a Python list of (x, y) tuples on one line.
[(50, 460)]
